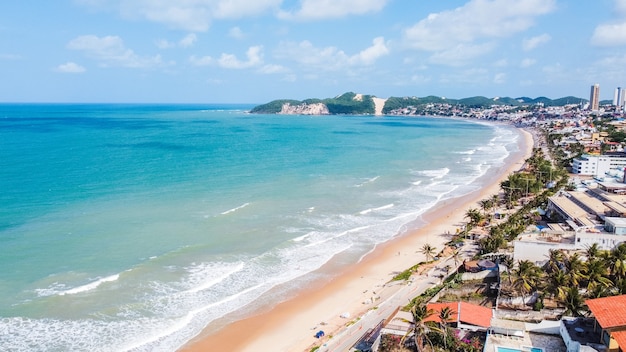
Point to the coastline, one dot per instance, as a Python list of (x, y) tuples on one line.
[(290, 325)]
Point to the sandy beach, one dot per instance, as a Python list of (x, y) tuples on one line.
[(291, 325)]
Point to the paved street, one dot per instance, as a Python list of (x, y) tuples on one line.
[(349, 336)]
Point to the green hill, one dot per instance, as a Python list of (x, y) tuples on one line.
[(348, 103)]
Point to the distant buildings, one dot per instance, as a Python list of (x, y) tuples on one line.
[(618, 98), (594, 98)]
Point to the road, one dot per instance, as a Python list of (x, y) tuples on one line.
[(349, 336)]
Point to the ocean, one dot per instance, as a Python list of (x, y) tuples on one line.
[(132, 227)]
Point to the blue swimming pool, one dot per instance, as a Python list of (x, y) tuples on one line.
[(507, 349)]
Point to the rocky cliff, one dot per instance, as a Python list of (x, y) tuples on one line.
[(304, 109)]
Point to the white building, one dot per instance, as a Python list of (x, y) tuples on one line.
[(599, 165)]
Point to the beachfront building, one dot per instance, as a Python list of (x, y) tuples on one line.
[(610, 315), (599, 165), (588, 218), (464, 315)]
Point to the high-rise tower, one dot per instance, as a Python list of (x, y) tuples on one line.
[(594, 98)]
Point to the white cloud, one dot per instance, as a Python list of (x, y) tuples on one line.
[(190, 15), (527, 63), (272, 69), (620, 7), (188, 41), (254, 58), (236, 33), (530, 44), (201, 61), (330, 58), (110, 51), (609, 34), (369, 55), (322, 9), (70, 67), (499, 78), (474, 23), (165, 44), (613, 33), (460, 54)]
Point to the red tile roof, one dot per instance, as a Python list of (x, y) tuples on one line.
[(620, 338), (471, 314), (609, 311)]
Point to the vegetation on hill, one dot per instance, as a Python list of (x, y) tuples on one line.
[(347, 104), (343, 104)]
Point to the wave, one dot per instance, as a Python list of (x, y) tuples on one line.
[(235, 209), (469, 152), (436, 173), (367, 211), (217, 280), (90, 286), (368, 181)]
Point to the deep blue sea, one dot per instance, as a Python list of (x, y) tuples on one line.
[(131, 227)]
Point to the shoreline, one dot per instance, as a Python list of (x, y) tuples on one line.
[(291, 324)]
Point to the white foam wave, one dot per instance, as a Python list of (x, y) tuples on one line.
[(368, 181), (235, 209), (367, 211), (211, 283), (470, 152), (90, 286), (435, 174)]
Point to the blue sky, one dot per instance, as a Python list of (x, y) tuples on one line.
[(254, 51)]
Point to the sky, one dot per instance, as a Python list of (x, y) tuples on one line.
[(255, 51)]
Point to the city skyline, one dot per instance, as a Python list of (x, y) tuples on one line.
[(218, 51)]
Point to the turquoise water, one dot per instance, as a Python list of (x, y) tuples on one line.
[(131, 227)]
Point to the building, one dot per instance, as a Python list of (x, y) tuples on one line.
[(463, 315), (594, 98), (599, 165), (610, 315), (618, 98)]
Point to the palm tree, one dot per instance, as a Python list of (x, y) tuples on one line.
[(474, 216), (574, 267), (420, 328), (527, 277), (616, 262), (456, 256), (573, 302), (444, 315), (508, 262), (557, 284), (592, 251), (595, 273), (485, 205), (428, 251)]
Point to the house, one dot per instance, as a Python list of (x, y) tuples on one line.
[(610, 315), (463, 315)]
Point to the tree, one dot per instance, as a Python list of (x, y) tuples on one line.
[(444, 315), (557, 284), (527, 277), (595, 273), (574, 268), (421, 328), (485, 205), (428, 251), (474, 216), (573, 302)]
